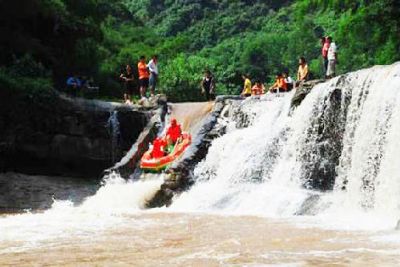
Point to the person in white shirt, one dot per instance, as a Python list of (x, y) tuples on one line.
[(288, 80), (153, 74), (332, 59)]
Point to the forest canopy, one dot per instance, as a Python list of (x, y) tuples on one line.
[(44, 41)]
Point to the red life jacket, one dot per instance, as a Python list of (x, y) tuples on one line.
[(157, 152), (174, 131)]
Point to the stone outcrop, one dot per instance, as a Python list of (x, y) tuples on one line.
[(302, 91), (180, 175), (329, 126), (127, 165), (57, 135)]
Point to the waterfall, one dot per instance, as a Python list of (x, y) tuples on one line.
[(113, 126), (333, 159), (337, 152)]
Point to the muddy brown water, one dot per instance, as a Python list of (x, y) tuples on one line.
[(173, 239)]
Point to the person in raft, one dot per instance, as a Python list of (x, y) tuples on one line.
[(247, 86), (208, 86), (302, 72), (279, 85), (159, 145), (258, 88), (143, 77), (174, 132)]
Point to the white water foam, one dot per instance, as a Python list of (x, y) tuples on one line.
[(116, 199)]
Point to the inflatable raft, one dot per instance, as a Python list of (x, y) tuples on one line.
[(148, 163)]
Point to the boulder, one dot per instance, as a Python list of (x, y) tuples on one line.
[(302, 91)]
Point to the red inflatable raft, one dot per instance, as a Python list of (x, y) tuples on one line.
[(148, 163)]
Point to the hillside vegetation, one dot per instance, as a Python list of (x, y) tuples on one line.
[(43, 41)]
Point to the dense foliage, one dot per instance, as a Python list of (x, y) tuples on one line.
[(44, 41)]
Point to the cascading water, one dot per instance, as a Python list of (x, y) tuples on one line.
[(346, 129), (113, 126)]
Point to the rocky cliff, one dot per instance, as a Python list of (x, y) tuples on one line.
[(55, 135)]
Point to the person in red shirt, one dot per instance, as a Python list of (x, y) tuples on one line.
[(174, 131), (158, 148), (143, 76), (325, 47), (258, 88)]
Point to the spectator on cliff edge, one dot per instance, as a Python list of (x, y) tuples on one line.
[(143, 77), (73, 85), (246, 92), (288, 80), (127, 78), (332, 59), (208, 86), (302, 72), (153, 68), (279, 85), (325, 41), (258, 88)]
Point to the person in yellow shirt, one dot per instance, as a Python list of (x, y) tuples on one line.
[(302, 72), (247, 86)]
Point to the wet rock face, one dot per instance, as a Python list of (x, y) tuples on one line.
[(64, 136), (180, 175), (322, 155), (302, 91)]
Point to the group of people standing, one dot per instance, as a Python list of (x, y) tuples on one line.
[(147, 77)]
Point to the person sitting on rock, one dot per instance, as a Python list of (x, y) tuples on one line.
[(174, 131), (258, 88), (73, 85), (279, 85), (288, 80), (158, 148), (302, 73)]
